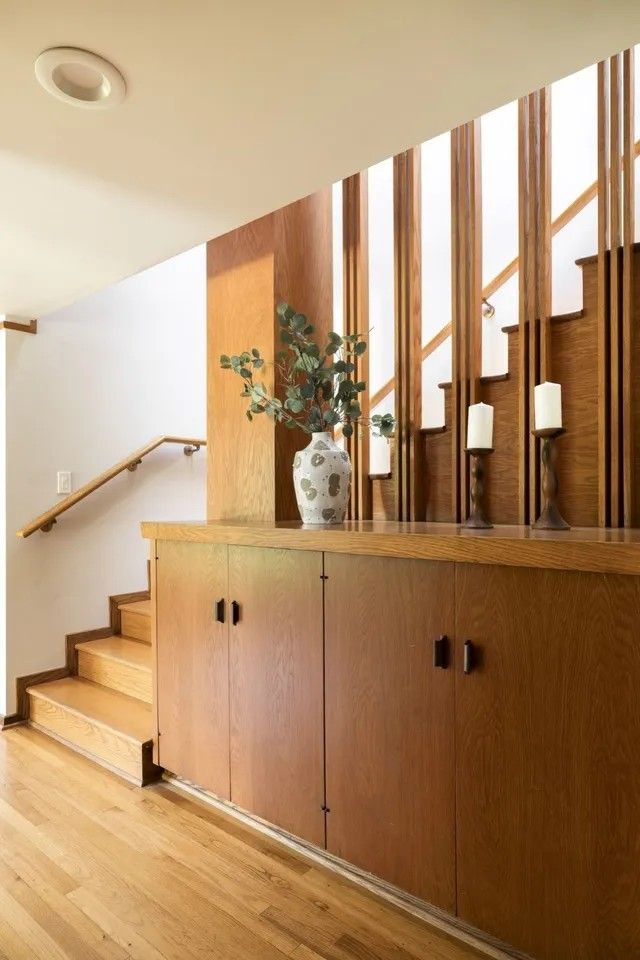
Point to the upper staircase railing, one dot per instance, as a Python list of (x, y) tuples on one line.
[(501, 278), (46, 520)]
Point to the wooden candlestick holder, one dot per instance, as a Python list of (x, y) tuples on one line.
[(477, 519), (550, 518)]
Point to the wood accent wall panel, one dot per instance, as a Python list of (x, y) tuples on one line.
[(286, 255), (389, 715), (192, 671), (407, 462), (276, 688), (356, 320), (547, 844), (574, 364)]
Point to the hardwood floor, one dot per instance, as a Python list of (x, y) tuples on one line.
[(93, 867)]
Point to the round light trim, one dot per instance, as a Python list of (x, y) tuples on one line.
[(80, 77)]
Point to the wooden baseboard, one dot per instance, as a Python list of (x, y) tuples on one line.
[(23, 683), (11, 720), (70, 645), (117, 599), (451, 926)]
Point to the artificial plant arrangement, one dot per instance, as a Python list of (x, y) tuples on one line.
[(319, 393)]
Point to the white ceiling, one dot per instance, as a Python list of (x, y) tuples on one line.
[(237, 107)]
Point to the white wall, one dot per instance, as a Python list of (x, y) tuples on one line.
[(100, 379)]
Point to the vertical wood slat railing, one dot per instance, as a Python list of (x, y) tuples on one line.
[(407, 334), (356, 313), (466, 259), (617, 150), (616, 161), (534, 177)]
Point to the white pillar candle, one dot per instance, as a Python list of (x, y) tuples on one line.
[(480, 427), (548, 406)]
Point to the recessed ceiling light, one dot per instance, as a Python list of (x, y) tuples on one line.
[(80, 77)]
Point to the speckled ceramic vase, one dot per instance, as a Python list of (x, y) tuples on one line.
[(322, 480)]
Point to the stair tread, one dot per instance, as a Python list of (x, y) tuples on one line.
[(137, 606), (125, 715), (123, 649)]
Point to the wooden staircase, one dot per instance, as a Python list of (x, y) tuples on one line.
[(103, 708)]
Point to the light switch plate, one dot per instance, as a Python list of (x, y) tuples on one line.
[(64, 481)]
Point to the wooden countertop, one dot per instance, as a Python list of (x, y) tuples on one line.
[(588, 549)]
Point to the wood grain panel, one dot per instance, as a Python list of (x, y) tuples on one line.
[(192, 654), (548, 771), (501, 491), (574, 364), (276, 688), (389, 722), (283, 256), (303, 277), (240, 307), (355, 279)]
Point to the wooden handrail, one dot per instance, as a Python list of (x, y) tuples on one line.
[(501, 278), (46, 520)]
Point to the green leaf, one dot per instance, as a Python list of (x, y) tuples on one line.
[(285, 311), (286, 336), (336, 338), (353, 410), (245, 373), (347, 430), (294, 405), (331, 417), (249, 415), (257, 364), (225, 361), (290, 424), (299, 322), (360, 348), (255, 352), (360, 386)]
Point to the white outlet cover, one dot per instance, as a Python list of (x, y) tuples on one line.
[(64, 481)]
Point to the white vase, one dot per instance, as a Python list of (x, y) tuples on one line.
[(322, 480)]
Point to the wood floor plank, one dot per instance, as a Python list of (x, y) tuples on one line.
[(92, 867)]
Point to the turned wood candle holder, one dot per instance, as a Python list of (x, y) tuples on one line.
[(477, 519), (550, 518)]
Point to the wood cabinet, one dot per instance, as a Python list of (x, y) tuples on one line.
[(276, 688), (547, 760), (389, 722), (501, 785), (192, 663)]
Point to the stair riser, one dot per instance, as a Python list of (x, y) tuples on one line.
[(135, 625), (103, 744), (116, 675)]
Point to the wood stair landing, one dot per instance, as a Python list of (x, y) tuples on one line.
[(104, 709)]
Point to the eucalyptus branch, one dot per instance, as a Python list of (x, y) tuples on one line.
[(319, 386)]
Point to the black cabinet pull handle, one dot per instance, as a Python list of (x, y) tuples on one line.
[(235, 612), (441, 652), (220, 605), (468, 658)]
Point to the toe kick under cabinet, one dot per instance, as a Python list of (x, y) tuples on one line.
[(468, 732)]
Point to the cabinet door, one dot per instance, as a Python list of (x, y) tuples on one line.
[(389, 722), (548, 760), (193, 663), (277, 751)]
